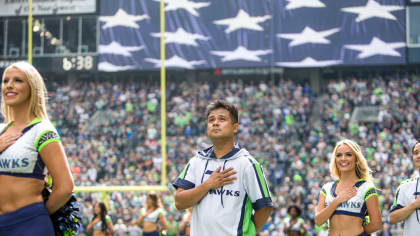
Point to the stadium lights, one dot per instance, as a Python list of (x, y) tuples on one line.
[(37, 26), (54, 41)]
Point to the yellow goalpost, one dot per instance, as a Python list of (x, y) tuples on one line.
[(162, 187)]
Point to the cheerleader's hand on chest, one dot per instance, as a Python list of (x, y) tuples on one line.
[(346, 194)]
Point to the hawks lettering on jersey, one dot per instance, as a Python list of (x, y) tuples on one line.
[(22, 158), (226, 210), (355, 206)]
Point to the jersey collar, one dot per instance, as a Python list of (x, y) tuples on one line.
[(34, 121), (357, 184), (236, 148)]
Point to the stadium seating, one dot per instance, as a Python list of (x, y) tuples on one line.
[(277, 125)]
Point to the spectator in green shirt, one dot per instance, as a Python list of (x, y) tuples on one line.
[(172, 226)]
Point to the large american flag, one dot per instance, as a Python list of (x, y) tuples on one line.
[(202, 34)]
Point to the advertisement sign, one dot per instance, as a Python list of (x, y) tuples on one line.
[(46, 7)]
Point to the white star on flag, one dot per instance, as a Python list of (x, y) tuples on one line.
[(121, 18), (376, 47), (308, 35), (294, 4), (116, 48), (373, 9), (309, 62), (106, 66), (189, 6), (180, 36), (175, 61), (242, 21), (241, 53)]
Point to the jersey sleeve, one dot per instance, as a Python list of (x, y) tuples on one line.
[(370, 191), (256, 185), (186, 179), (161, 212), (400, 200), (47, 134), (323, 190)]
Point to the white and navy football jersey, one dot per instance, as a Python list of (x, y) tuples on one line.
[(227, 210), (355, 206), (22, 158), (407, 192)]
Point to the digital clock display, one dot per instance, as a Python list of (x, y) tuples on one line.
[(78, 63), (58, 64)]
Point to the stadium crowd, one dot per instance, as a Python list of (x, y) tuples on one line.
[(111, 133)]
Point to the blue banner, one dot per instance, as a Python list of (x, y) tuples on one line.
[(249, 33)]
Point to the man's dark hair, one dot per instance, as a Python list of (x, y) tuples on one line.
[(233, 111), (412, 148)]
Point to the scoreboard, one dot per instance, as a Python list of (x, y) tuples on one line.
[(58, 64), (78, 63)]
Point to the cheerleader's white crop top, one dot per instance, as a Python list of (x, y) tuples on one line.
[(355, 206), (152, 217), (22, 158)]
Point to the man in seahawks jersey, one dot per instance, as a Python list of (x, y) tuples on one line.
[(224, 184), (406, 205)]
